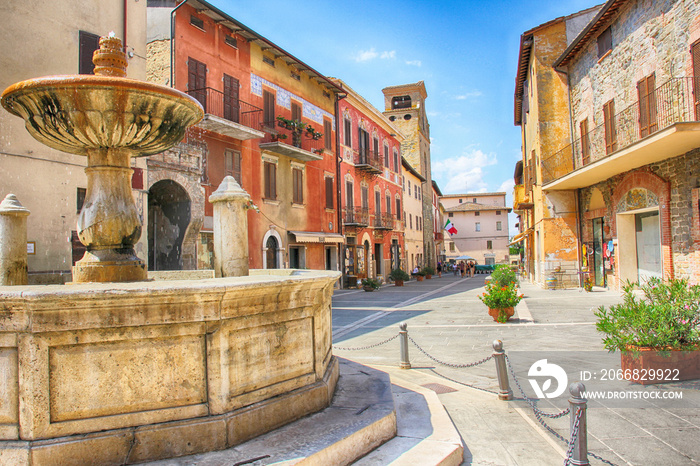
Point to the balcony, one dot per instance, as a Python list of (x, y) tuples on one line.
[(228, 116), (297, 145), (521, 200), (383, 221), (356, 217), (667, 126), (368, 161)]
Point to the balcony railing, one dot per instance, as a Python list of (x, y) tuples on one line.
[(673, 102), (369, 160), (383, 221), (276, 133), (235, 110), (356, 216)]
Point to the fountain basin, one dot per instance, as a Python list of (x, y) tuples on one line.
[(77, 113), (129, 372)]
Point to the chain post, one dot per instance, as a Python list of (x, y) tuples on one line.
[(579, 435), (504, 391), (403, 337)]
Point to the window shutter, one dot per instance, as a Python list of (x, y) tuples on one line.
[(88, 43), (296, 111), (585, 144), (695, 54), (328, 134), (610, 135), (398, 209), (237, 167), (269, 108), (329, 193), (349, 201)]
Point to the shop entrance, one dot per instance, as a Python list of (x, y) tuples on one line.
[(648, 239), (598, 267)]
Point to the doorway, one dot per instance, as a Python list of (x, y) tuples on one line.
[(271, 252), (598, 267), (648, 237), (378, 259), (168, 218)]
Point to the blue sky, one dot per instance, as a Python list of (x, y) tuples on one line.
[(466, 52)]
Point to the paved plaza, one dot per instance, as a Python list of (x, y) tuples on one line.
[(447, 320)]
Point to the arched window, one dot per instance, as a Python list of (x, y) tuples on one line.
[(401, 101)]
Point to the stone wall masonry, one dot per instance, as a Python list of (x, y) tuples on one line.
[(158, 62)]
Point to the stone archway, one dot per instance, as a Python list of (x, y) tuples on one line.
[(169, 214)]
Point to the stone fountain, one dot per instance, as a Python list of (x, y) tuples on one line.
[(126, 372)]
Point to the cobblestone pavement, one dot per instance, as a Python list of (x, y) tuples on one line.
[(447, 320)]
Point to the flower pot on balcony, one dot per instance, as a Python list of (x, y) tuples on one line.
[(502, 315), (647, 366)]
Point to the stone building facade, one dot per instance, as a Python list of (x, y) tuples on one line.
[(633, 160), (413, 216)]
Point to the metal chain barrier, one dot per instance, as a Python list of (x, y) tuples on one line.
[(455, 366), (529, 400), (463, 383), (366, 347)]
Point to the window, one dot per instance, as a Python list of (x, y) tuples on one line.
[(270, 180), (604, 43), (498, 226), (197, 81), (647, 105), (197, 22), (88, 44), (419, 223), (388, 203), (328, 134), (610, 133), (329, 193), (452, 247), (489, 244), (297, 257), (386, 156), (402, 101), (498, 212), (269, 109), (228, 163), (268, 61), (230, 40), (364, 195), (450, 214), (695, 55), (474, 201), (477, 226), (396, 161), (585, 142), (231, 103), (398, 209), (375, 148), (415, 191), (298, 186), (80, 198), (460, 201), (410, 221), (296, 111), (409, 187), (349, 195), (347, 130), (477, 213)]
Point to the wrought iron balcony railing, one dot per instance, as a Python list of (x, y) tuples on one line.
[(235, 110), (369, 160), (356, 216), (675, 101), (299, 139), (383, 221)]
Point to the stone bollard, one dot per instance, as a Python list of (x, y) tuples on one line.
[(13, 242), (403, 337), (579, 451), (504, 391), (230, 203)]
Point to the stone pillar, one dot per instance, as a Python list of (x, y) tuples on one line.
[(230, 203), (13, 242)]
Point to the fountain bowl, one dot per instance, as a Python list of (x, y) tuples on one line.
[(76, 114)]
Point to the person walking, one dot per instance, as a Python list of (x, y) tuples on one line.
[(454, 269), (439, 269), (462, 268)]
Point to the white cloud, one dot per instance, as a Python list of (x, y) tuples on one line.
[(464, 173), (366, 55), (469, 95), (388, 55), (414, 63)]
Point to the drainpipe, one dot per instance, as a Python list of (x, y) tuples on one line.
[(338, 160), (172, 38), (125, 22)]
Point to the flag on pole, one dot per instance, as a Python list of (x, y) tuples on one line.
[(450, 228)]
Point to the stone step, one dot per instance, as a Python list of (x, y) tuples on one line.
[(370, 422)]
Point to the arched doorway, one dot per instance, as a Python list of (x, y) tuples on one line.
[(271, 252), (169, 211)]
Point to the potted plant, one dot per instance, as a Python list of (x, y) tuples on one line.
[(399, 276), (428, 271), (370, 284), (419, 274), (657, 333), (501, 295)]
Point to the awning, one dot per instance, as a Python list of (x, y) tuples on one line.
[(520, 236), (317, 237)]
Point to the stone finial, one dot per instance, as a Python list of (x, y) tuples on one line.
[(11, 206), (110, 59), (228, 190)]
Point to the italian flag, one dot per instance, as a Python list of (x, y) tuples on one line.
[(450, 228)]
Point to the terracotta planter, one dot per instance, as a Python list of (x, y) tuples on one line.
[(429, 276), (419, 278), (368, 288), (667, 366), (509, 312), (398, 282)]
